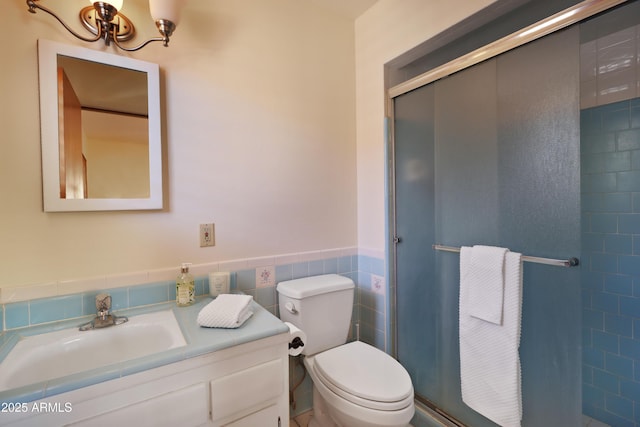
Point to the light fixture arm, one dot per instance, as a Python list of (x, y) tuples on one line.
[(33, 5), (102, 24), (133, 49), (165, 27)]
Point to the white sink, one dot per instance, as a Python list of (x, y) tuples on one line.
[(56, 354)]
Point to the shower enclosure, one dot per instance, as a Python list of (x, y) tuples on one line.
[(537, 150), (490, 155)]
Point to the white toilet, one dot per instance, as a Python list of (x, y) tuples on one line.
[(354, 384)]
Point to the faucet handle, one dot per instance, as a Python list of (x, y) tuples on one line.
[(103, 302)]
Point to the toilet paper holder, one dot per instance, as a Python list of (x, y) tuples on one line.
[(296, 343)]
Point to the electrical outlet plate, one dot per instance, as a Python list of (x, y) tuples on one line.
[(377, 284), (207, 235), (265, 276)]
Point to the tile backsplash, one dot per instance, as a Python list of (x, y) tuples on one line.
[(44, 303)]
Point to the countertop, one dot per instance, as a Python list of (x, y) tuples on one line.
[(199, 340)]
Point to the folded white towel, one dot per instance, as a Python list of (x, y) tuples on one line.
[(489, 359), (226, 311), (485, 278)]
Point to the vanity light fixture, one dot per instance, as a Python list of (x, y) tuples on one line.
[(104, 20)]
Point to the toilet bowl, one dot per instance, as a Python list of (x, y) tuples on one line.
[(354, 384), (357, 385)]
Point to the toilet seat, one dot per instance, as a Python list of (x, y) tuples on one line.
[(364, 375)]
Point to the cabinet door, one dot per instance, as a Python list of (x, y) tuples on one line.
[(267, 417), (187, 407), (247, 391)]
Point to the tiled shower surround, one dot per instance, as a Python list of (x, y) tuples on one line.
[(610, 146), (369, 317)]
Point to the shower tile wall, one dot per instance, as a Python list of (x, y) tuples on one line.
[(610, 149)]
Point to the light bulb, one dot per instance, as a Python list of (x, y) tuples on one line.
[(166, 9)]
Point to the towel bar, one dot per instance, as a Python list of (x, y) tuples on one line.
[(571, 262)]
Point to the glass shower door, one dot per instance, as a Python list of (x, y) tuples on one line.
[(490, 155)]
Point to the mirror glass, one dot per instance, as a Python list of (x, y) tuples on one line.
[(100, 126)]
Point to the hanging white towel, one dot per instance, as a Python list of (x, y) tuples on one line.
[(489, 359), (226, 311), (485, 279)]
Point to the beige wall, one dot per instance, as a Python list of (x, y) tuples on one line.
[(258, 131), (383, 33), (260, 123)]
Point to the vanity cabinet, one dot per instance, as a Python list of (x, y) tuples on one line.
[(242, 386)]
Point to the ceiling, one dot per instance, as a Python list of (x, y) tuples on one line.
[(349, 8)]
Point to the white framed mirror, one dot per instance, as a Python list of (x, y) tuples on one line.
[(100, 130)]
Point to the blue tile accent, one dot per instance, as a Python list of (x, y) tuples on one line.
[(594, 280), (149, 294), (591, 202), (593, 357), (618, 284), (635, 117), (628, 181), (593, 319), (283, 273), (635, 160), (266, 297), (316, 267), (618, 243), (605, 341), (610, 186), (344, 264), (629, 223), (52, 309), (598, 142), (628, 139), (593, 395), (602, 182), (616, 202), (606, 381), (200, 284), (300, 269), (629, 347), (622, 366), (630, 389), (331, 266), (246, 280), (629, 306), (16, 315), (619, 405), (603, 301), (629, 264), (587, 374), (604, 223), (615, 120), (620, 325)]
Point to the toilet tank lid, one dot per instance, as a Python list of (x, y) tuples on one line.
[(314, 285)]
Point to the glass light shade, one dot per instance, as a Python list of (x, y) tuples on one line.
[(115, 3), (166, 9)]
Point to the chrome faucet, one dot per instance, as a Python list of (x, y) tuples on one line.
[(103, 318)]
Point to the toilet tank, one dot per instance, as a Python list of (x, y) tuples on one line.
[(320, 306)]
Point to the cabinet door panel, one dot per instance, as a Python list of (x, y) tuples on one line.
[(187, 407)]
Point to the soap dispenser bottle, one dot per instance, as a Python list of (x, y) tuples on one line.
[(185, 287)]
